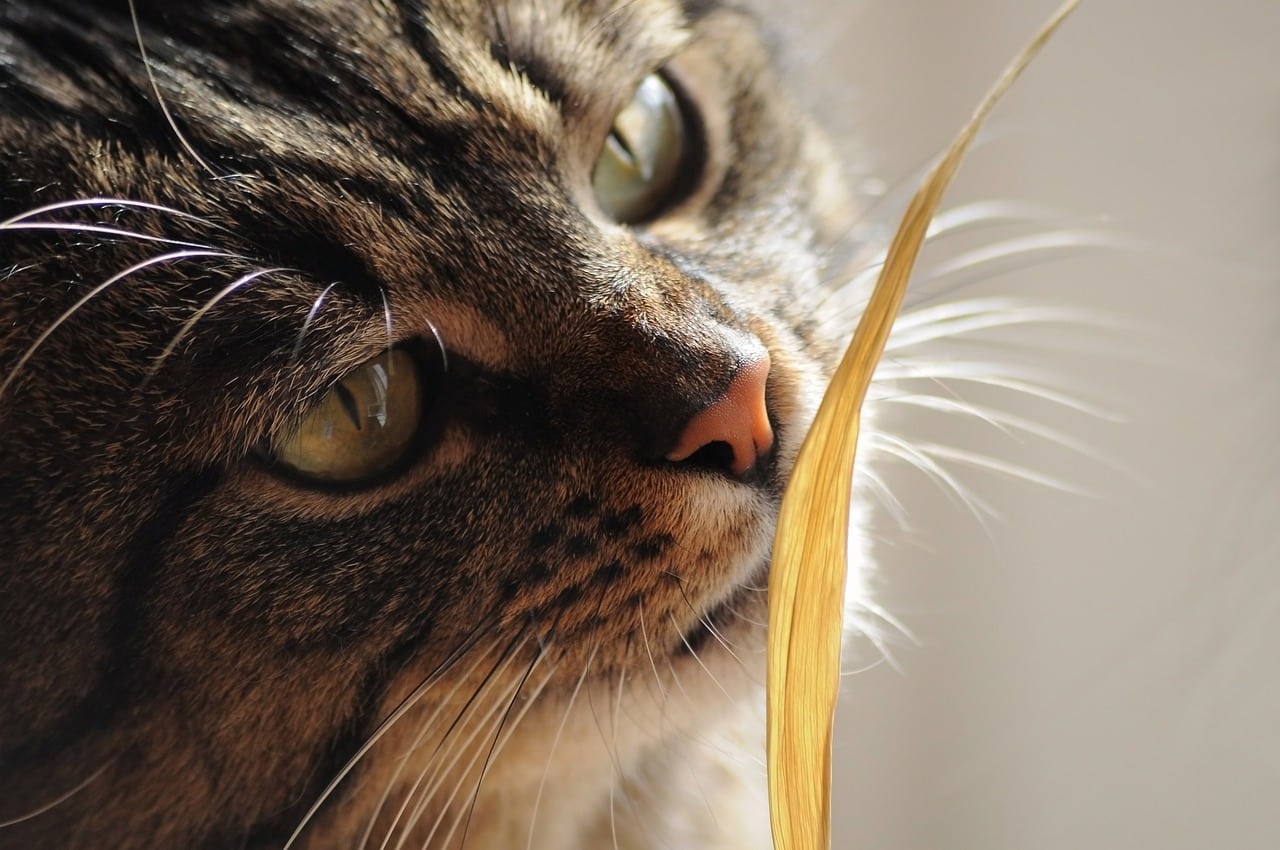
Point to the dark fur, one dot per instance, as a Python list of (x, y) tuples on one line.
[(208, 643)]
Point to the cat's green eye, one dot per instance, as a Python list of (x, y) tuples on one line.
[(361, 428), (643, 156)]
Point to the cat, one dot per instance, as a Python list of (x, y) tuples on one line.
[(396, 399)]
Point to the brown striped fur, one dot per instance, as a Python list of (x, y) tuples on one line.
[(193, 646)]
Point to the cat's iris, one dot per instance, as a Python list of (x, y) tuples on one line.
[(361, 428), (641, 163)]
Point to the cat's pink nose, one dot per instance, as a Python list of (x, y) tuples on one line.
[(738, 419)]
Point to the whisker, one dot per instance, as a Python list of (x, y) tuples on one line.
[(424, 728), (455, 748), (94, 293), (1039, 247), (386, 314), (488, 759), (999, 419), (224, 293), (306, 325), (507, 732), (698, 659), (959, 318), (54, 803), (555, 742), (888, 499), (999, 375), (403, 708), (98, 229), (164, 107), (102, 202), (881, 613), (1011, 470), (712, 630), (908, 452)]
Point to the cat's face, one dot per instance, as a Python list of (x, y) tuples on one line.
[(388, 397)]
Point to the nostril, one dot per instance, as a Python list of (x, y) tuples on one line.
[(714, 455), (732, 432)]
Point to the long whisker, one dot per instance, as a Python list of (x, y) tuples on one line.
[(311, 316), (1043, 246), (386, 315), (101, 202), (98, 229), (488, 759), (423, 730), (452, 746), (617, 759), (997, 418), (1011, 470), (1000, 375), (164, 107), (224, 293), (555, 742), (710, 627), (54, 803), (94, 293), (948, 483), (959, 318), (698, 659), (403, 708)]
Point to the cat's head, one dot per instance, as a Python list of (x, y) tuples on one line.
[(447, 354)]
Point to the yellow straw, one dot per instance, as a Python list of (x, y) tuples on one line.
[(807, 579)]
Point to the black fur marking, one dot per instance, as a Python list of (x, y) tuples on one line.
[(580, 545), (610, 572), (567, 598), (652, 547), (417, 30), (545, 537), (696, 10), (539, 571), (582, 506), (615, 523), (124, 678), (531, 66)]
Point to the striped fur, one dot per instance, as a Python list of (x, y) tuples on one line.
[(540, 634)]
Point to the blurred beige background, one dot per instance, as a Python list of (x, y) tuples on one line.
[(1096, 671)]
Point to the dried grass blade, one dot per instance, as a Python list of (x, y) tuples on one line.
[(807, 579)]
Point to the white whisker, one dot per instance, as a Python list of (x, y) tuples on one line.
[(155, 87), (500, 740), (403, 708), (424, 728), (100, 230), (99, 202), (999, 375), (57, 801), (698, 659), (1010, 470), (224, 293), (94, 293), (555, 742), (958, 318), (455, 749), (1024, 251), (999, 419), (947, 482), (311, 317)]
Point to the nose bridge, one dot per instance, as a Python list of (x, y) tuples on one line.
[(683, 373)]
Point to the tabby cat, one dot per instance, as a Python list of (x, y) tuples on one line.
[(395, 399)]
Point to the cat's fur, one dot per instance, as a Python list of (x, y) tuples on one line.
[(191, 646)]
